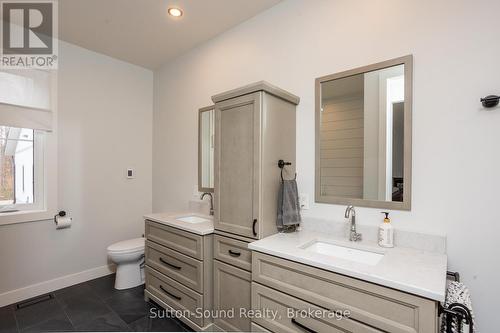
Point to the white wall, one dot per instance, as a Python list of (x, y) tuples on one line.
[(455, 142), (105, 109), (371, 129), (378, 124)]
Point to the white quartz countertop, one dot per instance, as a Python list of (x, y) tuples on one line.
[(414, 271), (171, 219)]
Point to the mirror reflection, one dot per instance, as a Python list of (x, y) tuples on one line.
[(206, 149), (362, 136)]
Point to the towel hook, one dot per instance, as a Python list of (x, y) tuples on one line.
[(490, 101), (281, 165), (454, 275)]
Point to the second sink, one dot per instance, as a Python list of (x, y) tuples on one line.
[(192, 219), (343, 252)]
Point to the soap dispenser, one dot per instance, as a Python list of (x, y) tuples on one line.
[(386, 232)]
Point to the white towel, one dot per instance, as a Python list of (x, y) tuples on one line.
[(457, 292)]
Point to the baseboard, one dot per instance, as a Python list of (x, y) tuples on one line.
[(41, 288)]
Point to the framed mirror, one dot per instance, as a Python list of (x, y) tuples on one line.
[(206, 122), (363, 136)]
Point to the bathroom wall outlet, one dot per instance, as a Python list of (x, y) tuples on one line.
[(130, 173), (304, 200)]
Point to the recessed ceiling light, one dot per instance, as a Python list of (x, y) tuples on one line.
[(175, 12)]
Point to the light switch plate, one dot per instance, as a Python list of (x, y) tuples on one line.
[(130, 173), (304, 200)]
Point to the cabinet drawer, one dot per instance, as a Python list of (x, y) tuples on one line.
[(294, 315), (233, 252), (377, 306), (175, 265), (185, 242), (174, 294)]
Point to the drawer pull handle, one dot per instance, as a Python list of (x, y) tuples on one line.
[(305, 328), (170, 294), (170, 265), (253, 227), (234, 254)]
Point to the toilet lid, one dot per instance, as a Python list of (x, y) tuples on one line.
[(130, 245)]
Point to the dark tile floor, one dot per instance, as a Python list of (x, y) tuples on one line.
[(86, 307)]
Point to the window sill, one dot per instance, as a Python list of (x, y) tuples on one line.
[(25, 216)]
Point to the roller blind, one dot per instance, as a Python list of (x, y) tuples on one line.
[(25, 99)]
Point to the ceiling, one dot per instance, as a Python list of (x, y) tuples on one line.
[(141, 32)]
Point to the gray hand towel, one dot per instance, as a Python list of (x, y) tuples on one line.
[(288, 205)]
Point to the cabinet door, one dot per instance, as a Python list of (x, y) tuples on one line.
[(237, 165), (232, 292)]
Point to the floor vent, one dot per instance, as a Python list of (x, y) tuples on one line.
[(33, 301)]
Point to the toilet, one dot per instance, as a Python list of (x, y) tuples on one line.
[(128, 256)]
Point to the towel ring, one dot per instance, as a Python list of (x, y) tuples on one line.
[(281, 165)]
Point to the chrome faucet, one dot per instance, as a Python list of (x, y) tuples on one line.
[(211, 201), (350, 214)]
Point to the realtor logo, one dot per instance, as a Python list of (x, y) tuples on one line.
[(28, 34)]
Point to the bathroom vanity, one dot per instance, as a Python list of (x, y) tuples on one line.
[(179, 265), (353, 287), (314, 281)]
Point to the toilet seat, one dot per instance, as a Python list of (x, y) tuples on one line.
[(128, 246)]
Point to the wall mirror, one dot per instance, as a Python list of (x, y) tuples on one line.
[(363, 136), (206, 118)]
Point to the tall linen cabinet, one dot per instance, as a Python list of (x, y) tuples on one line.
[(255, 127)]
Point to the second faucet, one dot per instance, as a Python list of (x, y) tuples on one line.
[(350, 214)]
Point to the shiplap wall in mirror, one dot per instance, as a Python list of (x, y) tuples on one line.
[(363, 136)]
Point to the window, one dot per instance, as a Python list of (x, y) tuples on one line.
[(28, 185), (21, 187)]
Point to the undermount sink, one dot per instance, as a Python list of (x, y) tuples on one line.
[(192, 219), (343, 252)]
